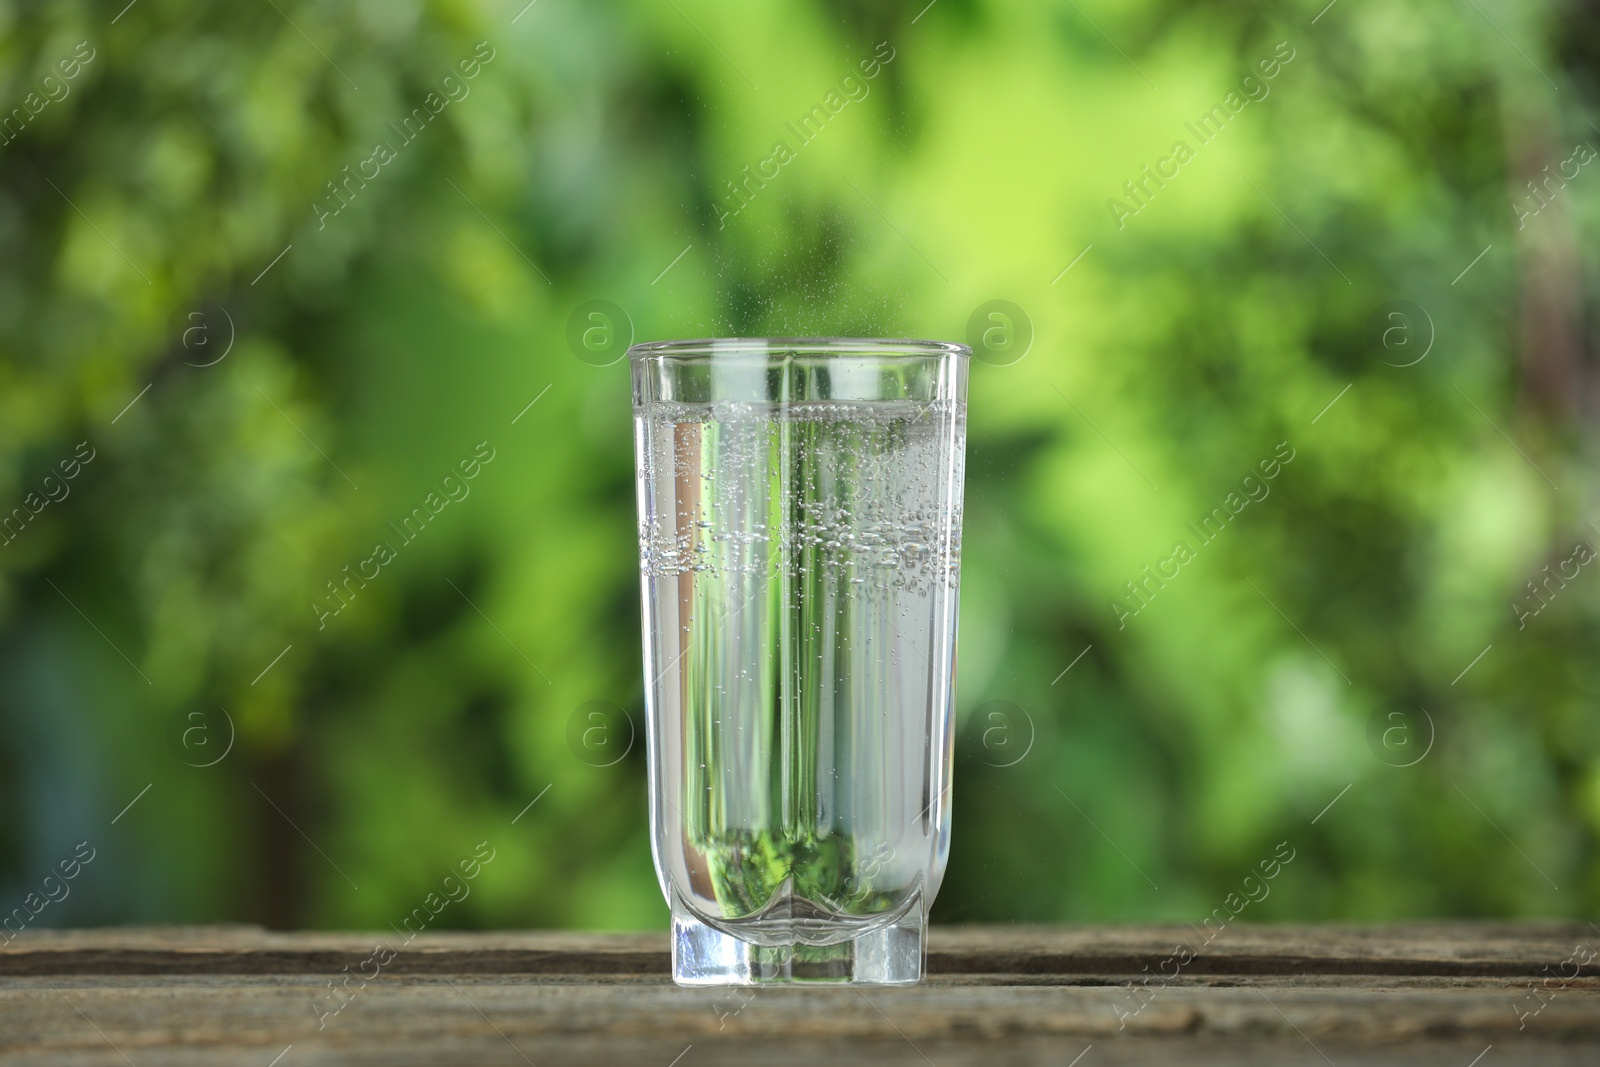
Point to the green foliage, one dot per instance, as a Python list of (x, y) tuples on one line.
[(385, 327)]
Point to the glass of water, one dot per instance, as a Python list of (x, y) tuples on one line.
[(799, 544)]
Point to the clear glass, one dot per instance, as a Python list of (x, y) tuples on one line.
[(799, 545)]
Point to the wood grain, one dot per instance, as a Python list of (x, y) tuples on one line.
[(1414, 994)]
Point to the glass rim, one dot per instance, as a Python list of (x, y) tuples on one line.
[(714, 347)]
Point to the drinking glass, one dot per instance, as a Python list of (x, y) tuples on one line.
[(799, 546)]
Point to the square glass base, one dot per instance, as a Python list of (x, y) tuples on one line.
[(890, 955)]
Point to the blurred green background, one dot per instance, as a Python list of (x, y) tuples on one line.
[(1348, 265)]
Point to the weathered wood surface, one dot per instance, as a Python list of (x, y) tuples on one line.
[(1528, 993)]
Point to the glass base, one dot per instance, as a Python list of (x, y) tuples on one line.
[(890, 955)]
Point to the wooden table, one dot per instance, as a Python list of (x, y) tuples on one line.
[(1528, 993)]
